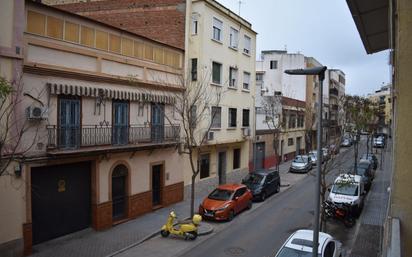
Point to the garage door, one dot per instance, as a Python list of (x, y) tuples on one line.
[(60, 200)]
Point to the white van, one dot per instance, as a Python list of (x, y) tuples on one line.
[(348, 189)]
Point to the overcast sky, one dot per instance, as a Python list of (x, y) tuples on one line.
[(323, 29)]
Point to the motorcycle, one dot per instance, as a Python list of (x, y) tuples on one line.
[(340, 212), (186, 230)]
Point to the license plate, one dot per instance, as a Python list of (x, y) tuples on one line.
[(208, 214)]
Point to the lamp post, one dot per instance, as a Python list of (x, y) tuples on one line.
[(320, 72)]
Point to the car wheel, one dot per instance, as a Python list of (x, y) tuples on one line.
[(231, 215), (249, 205), (278, 188), (263, 196)]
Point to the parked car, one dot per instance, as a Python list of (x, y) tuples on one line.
[(262, 183), (334, 149), (225, 202), (366, 164), (348, 189), (366, 174), (326, 155), (379, 142), (301, 164), (313, 157), (370, 157), (300, 244), (346, 142)]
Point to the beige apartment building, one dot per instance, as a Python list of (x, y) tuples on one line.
[(98, 102), (382, 100), (220, 52)]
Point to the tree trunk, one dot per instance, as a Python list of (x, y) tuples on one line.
[(192, 195)]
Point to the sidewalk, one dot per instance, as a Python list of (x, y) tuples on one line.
[(104, 243), (370, 233)]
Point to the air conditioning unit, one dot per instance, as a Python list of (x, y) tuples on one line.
[(246, 132), (37, 113), (210, 135)]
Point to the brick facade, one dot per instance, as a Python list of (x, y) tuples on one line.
[(160, 20)]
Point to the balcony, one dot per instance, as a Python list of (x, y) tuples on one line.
[(72, 138), (334, 92)]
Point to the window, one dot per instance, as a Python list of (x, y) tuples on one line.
[(259, 77), (140, 110), (217, 29), (301, 121), (216, 73), (246, 80), (232, 117), (232, 77), (273, 65), (234, 38), (194, 69), (239, 192), (193, 116), (195, 24), (216, 117), (236, 158), (204, 165), (290, 141), (292, 121), (246, 48), (245, 118)]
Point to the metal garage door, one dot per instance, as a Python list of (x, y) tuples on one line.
[(60, 200)]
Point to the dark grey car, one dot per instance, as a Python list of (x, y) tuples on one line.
[(262, 183)]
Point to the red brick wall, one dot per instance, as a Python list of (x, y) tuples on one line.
[(160, 20)]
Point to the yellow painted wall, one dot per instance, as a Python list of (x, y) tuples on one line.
[(6, 22), (401, 196), (12, 207)]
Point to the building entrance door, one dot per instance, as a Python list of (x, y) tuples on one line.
[(157, 184), (119, 192), (222, 167)]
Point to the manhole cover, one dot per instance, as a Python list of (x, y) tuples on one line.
[(235, 251)]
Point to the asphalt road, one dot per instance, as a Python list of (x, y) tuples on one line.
[(263, 231)]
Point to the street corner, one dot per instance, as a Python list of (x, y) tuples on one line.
[(205, 228)]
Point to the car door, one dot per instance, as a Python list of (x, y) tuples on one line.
[(242, 200), (268, 184), (276, 179)]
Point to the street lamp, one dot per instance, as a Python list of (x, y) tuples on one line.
[(320, 72)]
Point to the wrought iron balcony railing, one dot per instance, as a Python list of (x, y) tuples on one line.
[(74, 137)]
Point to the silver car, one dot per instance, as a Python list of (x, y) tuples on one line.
[(313, 157), (301, 164)]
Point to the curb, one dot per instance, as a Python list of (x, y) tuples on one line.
[(208, 231)]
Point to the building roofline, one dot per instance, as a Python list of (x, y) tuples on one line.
[(56, 9), (218, 6)]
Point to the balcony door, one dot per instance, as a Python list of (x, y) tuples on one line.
[(69, 123), (158, 119), (120, 122)]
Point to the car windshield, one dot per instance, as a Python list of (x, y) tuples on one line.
[(366, 157), (313, 153), (364, 164), (254, 179), (345, 189), (220, 194), (289, 252), (301, 159)]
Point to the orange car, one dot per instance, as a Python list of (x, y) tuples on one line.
[(226, 201)]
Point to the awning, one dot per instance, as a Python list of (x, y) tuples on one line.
[(132, 95), (372, 21)]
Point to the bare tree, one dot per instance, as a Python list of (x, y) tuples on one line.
[(14, 125), (272, 108)]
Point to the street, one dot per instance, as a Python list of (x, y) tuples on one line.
[(262, 230)]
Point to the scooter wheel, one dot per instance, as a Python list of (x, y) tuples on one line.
[(164, 233), (193, 235)]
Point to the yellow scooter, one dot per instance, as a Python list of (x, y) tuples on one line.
[(186, 230)]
